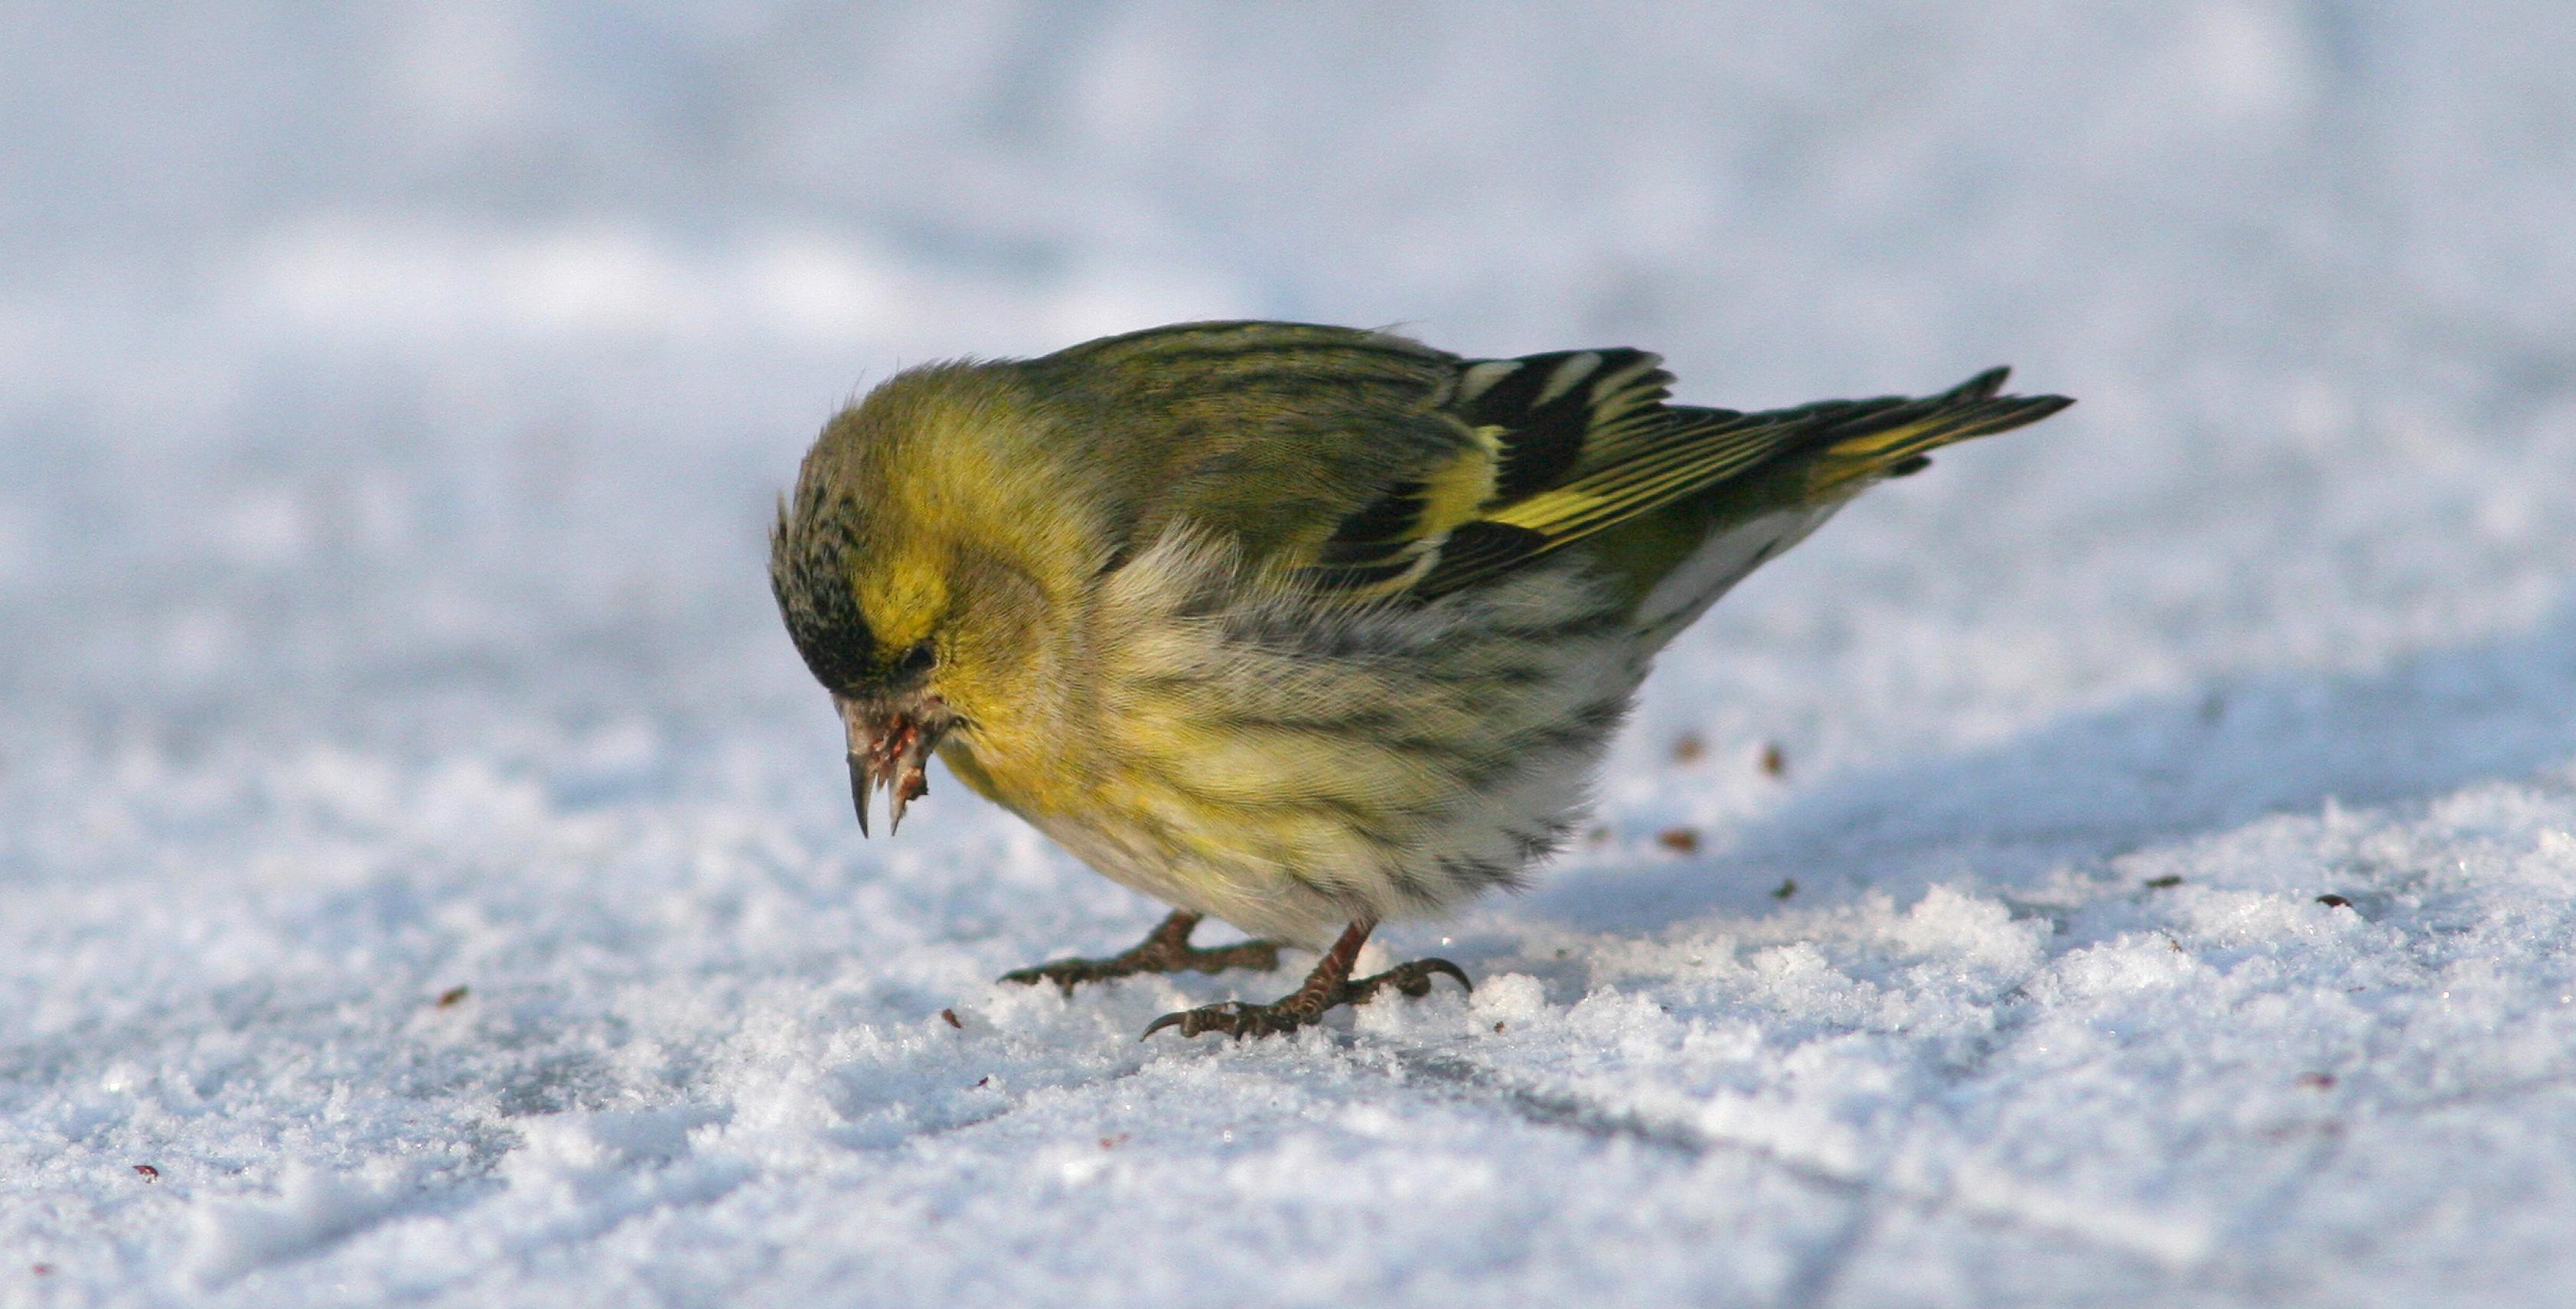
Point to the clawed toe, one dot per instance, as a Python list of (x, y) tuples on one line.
[(1166, 950), (1235, 1019), (1413, 979), (1067, 973)]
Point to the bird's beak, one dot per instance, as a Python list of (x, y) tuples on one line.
[(890, 746)]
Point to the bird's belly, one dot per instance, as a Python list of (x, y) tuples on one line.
[(1225, 861), (1206, 871), (1290, 766), (1292, 831)]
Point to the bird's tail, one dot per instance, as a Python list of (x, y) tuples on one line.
[(1862, 441)]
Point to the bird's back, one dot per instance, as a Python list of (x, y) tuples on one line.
[(1375, 468)]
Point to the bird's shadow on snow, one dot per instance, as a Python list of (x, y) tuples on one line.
[(2092, 786)]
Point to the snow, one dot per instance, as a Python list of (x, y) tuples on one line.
[(422, 849)]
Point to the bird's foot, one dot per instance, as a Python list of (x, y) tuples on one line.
[(1166, 950), (1239, 1020), (1328, 987)]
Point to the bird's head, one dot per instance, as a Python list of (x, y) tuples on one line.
[(909, 595), (880, 669), (868, 608)]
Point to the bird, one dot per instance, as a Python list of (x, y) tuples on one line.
[(1301, 627)]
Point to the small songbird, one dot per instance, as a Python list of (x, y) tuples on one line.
[(1303, 627)]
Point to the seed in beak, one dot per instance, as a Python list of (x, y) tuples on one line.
[(890, 750), (909, 786)]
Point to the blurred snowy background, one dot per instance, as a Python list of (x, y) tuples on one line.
[(391, 402)]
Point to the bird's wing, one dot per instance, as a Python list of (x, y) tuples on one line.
[(1567, 444), (1269, 433), (1367, 465)]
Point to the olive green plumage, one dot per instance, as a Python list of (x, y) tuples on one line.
[(1294, 625)]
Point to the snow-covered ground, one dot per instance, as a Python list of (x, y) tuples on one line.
[(422, 850)]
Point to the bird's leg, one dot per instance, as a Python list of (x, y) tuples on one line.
[(1166, 949), (1329, 985)]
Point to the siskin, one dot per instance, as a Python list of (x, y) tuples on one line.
[(1302, 627)]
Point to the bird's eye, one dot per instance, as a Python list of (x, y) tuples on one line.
[(915, 661)]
